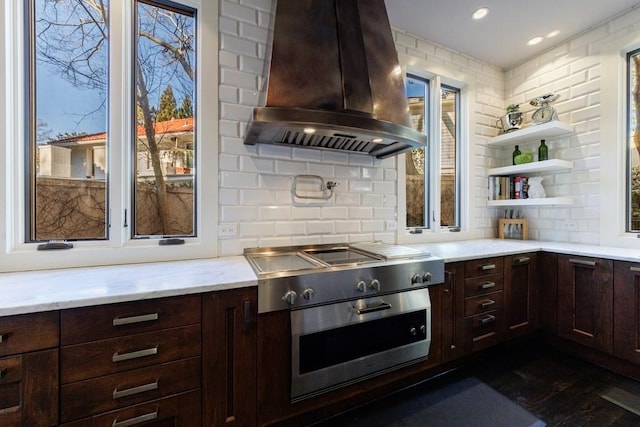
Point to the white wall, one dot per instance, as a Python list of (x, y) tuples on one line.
[(573, 69), (255, 181)]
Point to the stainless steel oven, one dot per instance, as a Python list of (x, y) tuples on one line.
[(336, 344), (356, 310)]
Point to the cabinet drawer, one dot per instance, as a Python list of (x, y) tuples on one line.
[(483, 331), (483, 303), (88, 360), (29, 332), (483, 267), (179, 410), (483, 285), (91, 397), (114, 320)]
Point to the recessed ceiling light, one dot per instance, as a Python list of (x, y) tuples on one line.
[(377, 140), (535, 41), (309, 131), (480, 13), (553, 34)]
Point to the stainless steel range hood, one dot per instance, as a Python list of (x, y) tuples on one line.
[(335, 81)]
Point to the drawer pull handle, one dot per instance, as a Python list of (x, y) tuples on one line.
[(523, 260), (134, 354), (636, 269), (487, 303), (488, 319), (582, 262), (488, 285), (4, 337), (371, 309), (135, 420), (119, 321), (488, 267), (117, 394)]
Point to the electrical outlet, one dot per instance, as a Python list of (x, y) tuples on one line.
[(569, 225), (227, 230)]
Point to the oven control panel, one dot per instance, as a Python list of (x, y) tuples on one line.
[(326, 286)]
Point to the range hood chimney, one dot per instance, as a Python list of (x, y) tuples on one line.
[(335, 81)]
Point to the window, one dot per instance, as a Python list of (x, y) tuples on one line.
[(432, 175), (633, 138), (106, 131)]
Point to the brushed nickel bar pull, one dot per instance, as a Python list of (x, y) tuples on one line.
[(487, 319), (117, 394), (135, 420), (582, 262), (488, 285), (636, 269), (488, 267), (487, 303), (523, 260), (134, 354), (380, 307), (119, 321)]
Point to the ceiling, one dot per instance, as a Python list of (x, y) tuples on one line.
[(501, 37)]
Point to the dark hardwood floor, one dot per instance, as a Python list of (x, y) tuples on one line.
[(559, 389)]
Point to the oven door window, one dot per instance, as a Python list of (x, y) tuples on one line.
[(335, 346)]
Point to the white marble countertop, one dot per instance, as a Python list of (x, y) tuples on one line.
[(34, 291)]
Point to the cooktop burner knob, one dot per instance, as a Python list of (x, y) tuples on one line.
[(361, 286), (374, 285), (307, 294), (416, 279), (413, 331), (426, 277), (290, 297)]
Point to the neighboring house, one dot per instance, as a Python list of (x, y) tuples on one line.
[(84, 157)]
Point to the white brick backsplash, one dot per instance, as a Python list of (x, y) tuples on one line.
[(228, 162), (238, 180), (228, 60), (278, 213), (256, 164), (360, 186), (373, 200), (307, 212), (361, 212), (260, 5), (229, 26), (257, 229), (257, 197), (237, 45), (275, 182), (228, 128), (236, 112), (335, 157), (307, 154), (335, 212), (347, 172), (238, 79), (253, 32), (289, 228), (249, 97), (346, 199), (319, 227), (348, 227), (239, 12), (284, 167), (372, 226), (276, 151), (325, 171), (384, 187), (384, 213), (237, 213), (372, 173), (228, 94), (228, 196)]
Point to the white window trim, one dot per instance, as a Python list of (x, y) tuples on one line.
[(120, 249), (441, 75), (613, 143)]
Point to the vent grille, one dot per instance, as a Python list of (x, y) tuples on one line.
[(324, 141)]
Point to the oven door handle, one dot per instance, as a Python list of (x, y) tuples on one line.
[(372, 309)]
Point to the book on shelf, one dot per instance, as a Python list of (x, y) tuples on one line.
[(508, 187)]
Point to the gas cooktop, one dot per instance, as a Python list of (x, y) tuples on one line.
[(284, 260)]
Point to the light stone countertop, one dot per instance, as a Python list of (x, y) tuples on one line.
[(34, 291)]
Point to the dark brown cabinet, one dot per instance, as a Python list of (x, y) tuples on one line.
[(29, 370), (585, 301), (483, 303), (132, 363), (520, 294), (229, 357), (453, 312), (626, 300)]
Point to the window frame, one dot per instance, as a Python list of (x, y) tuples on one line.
[(467, 229), (614, 139), (120, 247)]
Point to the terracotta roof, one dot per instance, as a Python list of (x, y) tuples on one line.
[(161, 128)]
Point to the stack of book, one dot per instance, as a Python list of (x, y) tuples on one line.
[(508, 187)]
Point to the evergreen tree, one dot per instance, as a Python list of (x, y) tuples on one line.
[(167, 109), (186, 109)]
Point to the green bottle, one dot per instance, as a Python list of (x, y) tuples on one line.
[(516, 152), (543, 151)]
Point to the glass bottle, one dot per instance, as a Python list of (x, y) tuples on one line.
[(543, 151), (516, 152)]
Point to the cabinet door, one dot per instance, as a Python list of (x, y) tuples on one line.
[(626, 300), (29, 389), (547, 276), (453, 312), (520, 294), (229, 357), (585, 301)]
